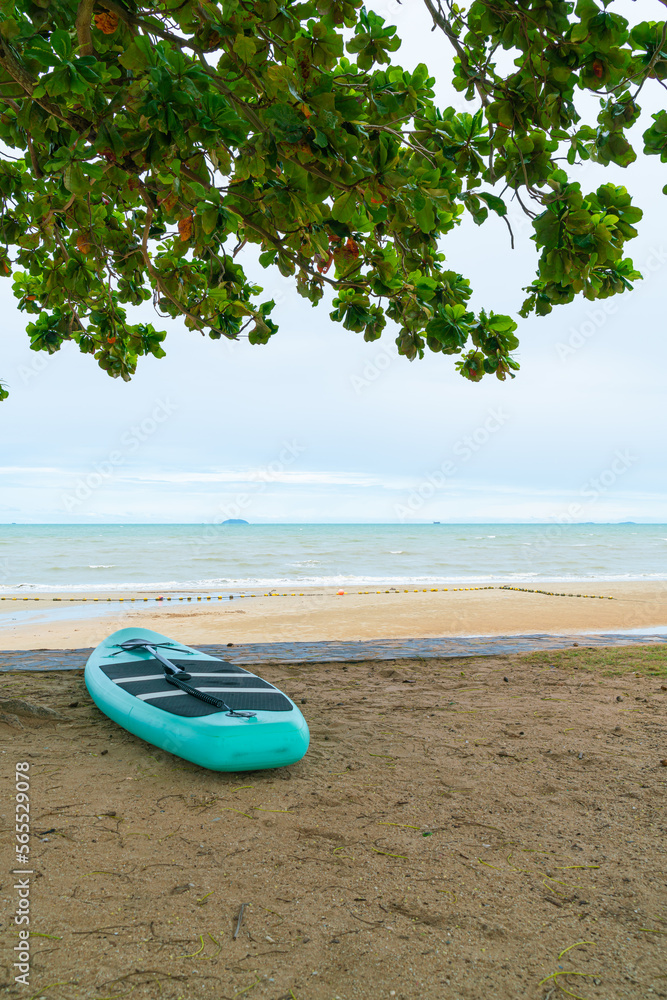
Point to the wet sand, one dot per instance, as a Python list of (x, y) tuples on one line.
[(323, 615)]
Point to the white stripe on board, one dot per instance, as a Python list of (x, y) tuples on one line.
[(155, 677), (173, 694)]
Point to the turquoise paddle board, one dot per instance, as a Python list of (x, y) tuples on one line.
[(236, 721)]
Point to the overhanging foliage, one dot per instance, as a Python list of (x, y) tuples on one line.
[(155, 141)]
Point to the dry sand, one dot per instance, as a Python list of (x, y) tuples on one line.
[(322, 615), (454, 829)]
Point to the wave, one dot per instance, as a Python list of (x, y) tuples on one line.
[(247, 584)]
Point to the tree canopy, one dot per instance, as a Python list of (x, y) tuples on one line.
[(146, 144)]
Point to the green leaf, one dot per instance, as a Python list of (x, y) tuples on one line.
[(209, 220), (136, 56), (10, 28), (245, 47), (345, 206), (61, 43), (75, 180), (586, 9), (494, 202), (425, 217)]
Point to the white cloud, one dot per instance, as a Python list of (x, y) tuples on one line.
[(30, 470), (260, 475)]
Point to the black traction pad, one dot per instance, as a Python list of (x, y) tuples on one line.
[(133, 668), (262, 698)]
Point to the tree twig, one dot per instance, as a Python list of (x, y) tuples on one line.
[(507, 223), (444, 25)]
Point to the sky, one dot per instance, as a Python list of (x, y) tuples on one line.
[(318, 426)]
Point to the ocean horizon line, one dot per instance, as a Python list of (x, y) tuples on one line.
[(320, 524)]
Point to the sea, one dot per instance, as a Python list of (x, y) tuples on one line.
[(231, 557)]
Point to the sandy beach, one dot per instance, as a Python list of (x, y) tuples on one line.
[(458, 829), (323, 615)]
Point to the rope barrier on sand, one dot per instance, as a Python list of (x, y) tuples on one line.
[(553, 593), (340, 593), (527, 590)]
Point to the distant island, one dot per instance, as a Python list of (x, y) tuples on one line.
[(235, 520)]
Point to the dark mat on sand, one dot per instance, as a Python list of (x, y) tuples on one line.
[(367, 649)]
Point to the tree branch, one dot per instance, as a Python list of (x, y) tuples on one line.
[(444, 25), (84, 17), (507, 223), (33, 157), (655, 57)]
